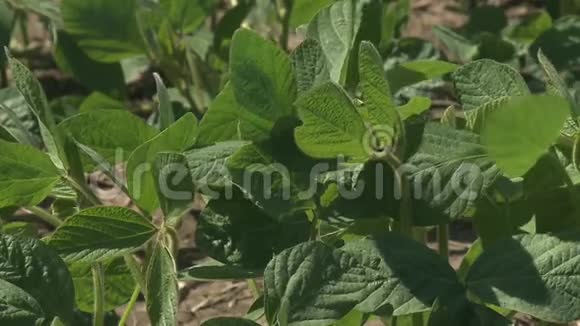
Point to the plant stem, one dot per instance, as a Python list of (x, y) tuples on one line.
[(254, 288), (136, 271), (82, 188), (130, 306), (285, 24), (23, 21), (313, 217), (443, 239), (405, 210), (44, 215), (99, 293)]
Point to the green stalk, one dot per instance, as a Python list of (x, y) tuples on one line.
[(22, 21), (136, 271), (313, 217), (99, 293), (443, 239), (84, 191), (405, 210), (44, 215), (130, 306), (286, 24)]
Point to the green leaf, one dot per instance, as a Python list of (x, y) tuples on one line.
[(230, 22), (413, 72), (173, 185), (217, 272), (530, 27), (185, 16), (165, 109), (560, 43), (16, 117), (134, 68), (19, 229), (449, 117), (6, 135), (377, 96), (331, 124), (449, 172), (392, 275), (101, 233), (486, 19), (227, 120), (207, 165), (416, 106), (534, 274), (530, 123), (46, 8), (31, 90), (119, 284), (108, 131), (353, 318), (104, 166), (100, 101), (482, 81), (304, 10), (492, 46), (494, 221), (106, 30), (393, 14), (476, 118), (556, 84), (32, 266), (104, 77), (140, 179), (362, 192), (18, 307), (273, 180), (461, 48), (336, 28), (26, 175), (460, 311), (162, 293), (261, 76), (229, 321), (233, 231), (310, 65)]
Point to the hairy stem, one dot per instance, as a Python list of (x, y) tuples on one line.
[(136, 271), (82, 188), (99, 293), (405, 208), (285, 21), (130, 306), (44, 215)]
